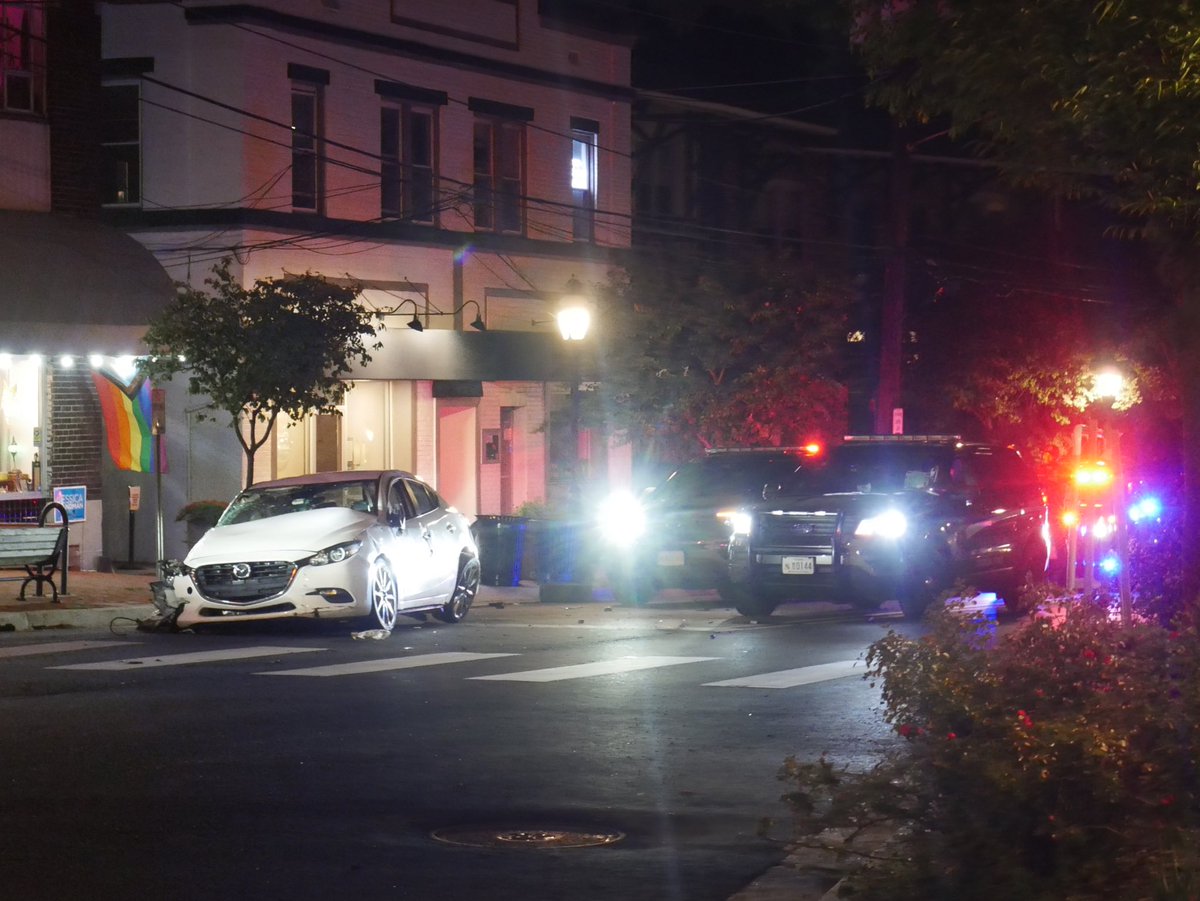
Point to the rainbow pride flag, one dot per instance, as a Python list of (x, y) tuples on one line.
[(127, 419)]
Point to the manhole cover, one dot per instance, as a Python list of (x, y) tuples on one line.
[(479, 837)]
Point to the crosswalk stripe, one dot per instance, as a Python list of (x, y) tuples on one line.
[(193, 657), (379, 666), (56, 647), (790, 678), (584, 670)]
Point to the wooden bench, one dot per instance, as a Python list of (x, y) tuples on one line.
[(39, 550)]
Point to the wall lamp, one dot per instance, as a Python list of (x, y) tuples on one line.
[(417, 326)]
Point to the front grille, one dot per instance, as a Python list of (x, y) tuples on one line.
[(218, 582), (808, 530)]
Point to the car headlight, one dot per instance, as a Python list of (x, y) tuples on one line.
[(739, 521), (888, 524), (621, 519), (335, 554)]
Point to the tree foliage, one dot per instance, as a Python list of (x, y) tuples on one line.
[(1094, 99), (723, 354), (280, 345), (1055, 760)]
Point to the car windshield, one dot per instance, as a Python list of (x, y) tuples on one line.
[(882, 467), (261, 503), (725, 476)]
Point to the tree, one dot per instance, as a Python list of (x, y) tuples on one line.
[(278, 346), (1080, 100), (742, 352)]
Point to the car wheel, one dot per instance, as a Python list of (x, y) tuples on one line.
[(466, 586), (385, 596), (748, 603)]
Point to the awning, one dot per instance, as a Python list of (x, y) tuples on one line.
[(75, 286), (446, 354)]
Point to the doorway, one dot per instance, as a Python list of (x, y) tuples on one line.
[(457, 455)]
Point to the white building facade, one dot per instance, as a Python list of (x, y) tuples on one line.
[(461, 162)]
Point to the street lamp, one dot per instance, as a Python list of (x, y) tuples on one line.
[(573, 313)]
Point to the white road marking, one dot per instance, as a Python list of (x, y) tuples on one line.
[(193, 657), (790, 678), (58, 647), (379, 666), (585, 670)]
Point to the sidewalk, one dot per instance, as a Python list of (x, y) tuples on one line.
[(95, 599)]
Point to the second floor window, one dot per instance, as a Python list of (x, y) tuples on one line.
[(22, 56), (406, 150), (121, 144), (499, 175), (583, 183), (307, 167)]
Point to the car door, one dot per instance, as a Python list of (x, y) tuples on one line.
[(406, 547), (1008, 518), (439, 529)]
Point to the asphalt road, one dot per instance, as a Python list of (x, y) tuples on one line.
[(293, 762)]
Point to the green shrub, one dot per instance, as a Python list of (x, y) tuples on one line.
[(1053, 760)]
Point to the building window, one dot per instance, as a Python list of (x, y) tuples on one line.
[(499, 175), (23, 56), (121, 144), (406, 149), (308, 185), (583, 182)]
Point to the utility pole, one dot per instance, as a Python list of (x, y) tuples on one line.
[(895, 278)]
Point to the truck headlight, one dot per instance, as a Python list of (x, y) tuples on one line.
[(888, 524), (740, 522), (621, 519)]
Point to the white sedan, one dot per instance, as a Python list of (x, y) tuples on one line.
[(370, 545)]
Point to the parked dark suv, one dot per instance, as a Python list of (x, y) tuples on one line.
[(893, 517), (678, 534)]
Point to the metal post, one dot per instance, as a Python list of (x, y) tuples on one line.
[(1073, 506), (1121, 502), (1095, 452), (576, 467), (158, 500)]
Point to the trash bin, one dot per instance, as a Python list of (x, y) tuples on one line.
[(564, 563), (501, 541)]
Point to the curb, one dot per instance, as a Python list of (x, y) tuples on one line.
[(93, 617)]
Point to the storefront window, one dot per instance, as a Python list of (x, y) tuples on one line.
[(365, 426), (20, 420)]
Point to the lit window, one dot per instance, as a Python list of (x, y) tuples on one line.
[(583, 182)]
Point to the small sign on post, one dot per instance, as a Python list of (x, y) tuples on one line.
[(158, 411), (135, 498), (897, 420)]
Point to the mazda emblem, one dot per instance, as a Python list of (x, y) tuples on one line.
[(241, 570)]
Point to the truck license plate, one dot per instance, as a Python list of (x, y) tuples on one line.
[(798, 566)]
